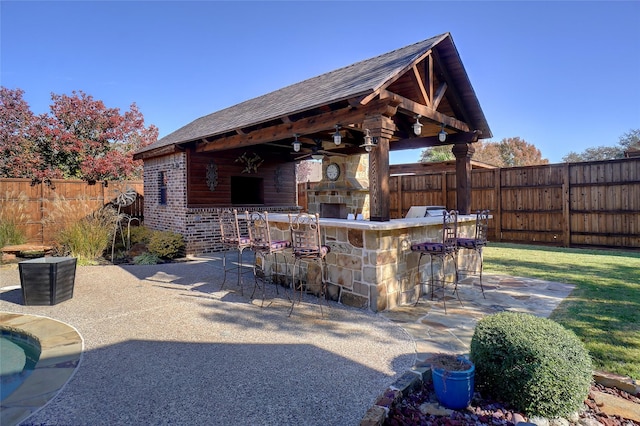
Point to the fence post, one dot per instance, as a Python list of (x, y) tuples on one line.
[(497, 215), (443, 188), (400, 203), (566, 207)]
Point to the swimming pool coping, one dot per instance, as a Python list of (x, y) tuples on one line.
[(61, 353)]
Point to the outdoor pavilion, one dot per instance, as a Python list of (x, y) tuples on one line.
[(242, 156)]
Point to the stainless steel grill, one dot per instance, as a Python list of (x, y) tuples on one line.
[(425, 211)]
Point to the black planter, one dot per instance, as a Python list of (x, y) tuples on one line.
[(47, 280)]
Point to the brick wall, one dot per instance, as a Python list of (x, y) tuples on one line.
[(198, 226)]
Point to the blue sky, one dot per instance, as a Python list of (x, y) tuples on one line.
[(564, 76)]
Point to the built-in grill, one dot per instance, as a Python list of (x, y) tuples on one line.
[(425, 211)]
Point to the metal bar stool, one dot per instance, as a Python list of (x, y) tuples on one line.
[(233, 237), (263, 244), (477, 243), (307, 245), (442, 251)]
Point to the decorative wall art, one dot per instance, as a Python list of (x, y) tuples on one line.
[(212, 176), (251, 162), (277, 179)]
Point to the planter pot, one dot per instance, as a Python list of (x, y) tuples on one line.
[(454, 389), (47, 280)]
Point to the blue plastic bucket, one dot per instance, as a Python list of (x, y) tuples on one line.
[(454, 389)]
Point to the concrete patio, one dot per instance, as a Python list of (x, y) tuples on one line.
[(163, 344)]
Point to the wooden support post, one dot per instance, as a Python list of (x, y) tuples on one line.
[(463, 153), (381, 127)]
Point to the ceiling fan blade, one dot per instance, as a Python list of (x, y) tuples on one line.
[(302, 157), (337, 154)]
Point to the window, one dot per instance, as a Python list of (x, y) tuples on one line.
[(162, 177), (247, 190)]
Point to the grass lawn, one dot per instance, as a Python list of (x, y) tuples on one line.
[(604, 308)]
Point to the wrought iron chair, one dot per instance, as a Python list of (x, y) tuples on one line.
[(307, 246), (441, 250), (234, 238), (477, 243), (263, 244)]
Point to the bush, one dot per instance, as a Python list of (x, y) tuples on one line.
[(139, 235), (13, 212), (166, 244), (532, 363), (88, 237), (146, 259)]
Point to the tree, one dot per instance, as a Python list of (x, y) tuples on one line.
[(436, 154), (509, 152), (17, 154), (600, 153), (81, 138)]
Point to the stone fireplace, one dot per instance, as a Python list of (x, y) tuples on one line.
[(333, 210), (349, 194)]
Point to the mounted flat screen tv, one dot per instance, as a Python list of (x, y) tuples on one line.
[(247, 190)]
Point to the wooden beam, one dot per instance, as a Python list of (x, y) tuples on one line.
[(453, 92), (393, 79), (429, 76), (317, 123), (439, 95), (165, 150), (423, 91), (430, 141), (416, 108)]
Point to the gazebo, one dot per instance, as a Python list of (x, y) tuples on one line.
[(244, 156)]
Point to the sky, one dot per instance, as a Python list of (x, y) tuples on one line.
[(562, 75)]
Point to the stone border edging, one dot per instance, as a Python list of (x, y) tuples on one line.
[(421, 373)]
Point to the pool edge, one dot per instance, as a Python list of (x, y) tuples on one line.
[(61, 354)]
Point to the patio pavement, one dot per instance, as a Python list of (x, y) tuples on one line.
[(163, 344)]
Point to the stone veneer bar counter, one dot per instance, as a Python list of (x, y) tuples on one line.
[(371, 263)]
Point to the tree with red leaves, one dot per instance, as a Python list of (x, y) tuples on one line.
[(80, 139), (18, 157)]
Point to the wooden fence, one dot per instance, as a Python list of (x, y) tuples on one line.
[(42, 209), (575, 204), (571, 204)]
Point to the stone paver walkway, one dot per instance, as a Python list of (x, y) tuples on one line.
[(436, 331)]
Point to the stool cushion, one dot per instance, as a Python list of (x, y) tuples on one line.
[(234, 240), (428, 247), (275, 245), (312, 252), (470, 243)]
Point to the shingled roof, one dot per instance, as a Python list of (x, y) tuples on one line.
[(359, 79)]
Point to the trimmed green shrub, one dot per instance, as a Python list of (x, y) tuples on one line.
[(532, 363), (139, 235), (166, 244)]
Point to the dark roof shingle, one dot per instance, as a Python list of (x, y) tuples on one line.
[(358, 79)]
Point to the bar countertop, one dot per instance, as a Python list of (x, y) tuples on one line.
[(376, 226)]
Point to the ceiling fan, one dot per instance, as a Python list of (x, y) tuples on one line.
[(317, 152)]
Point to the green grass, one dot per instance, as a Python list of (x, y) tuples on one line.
[(603, 309)]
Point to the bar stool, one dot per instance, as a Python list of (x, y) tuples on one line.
[(233, 237), (477, 243), (263, 244), (306, 244), (442, 251)]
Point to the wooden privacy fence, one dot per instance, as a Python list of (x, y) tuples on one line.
[(569, 204), (42, 209)]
